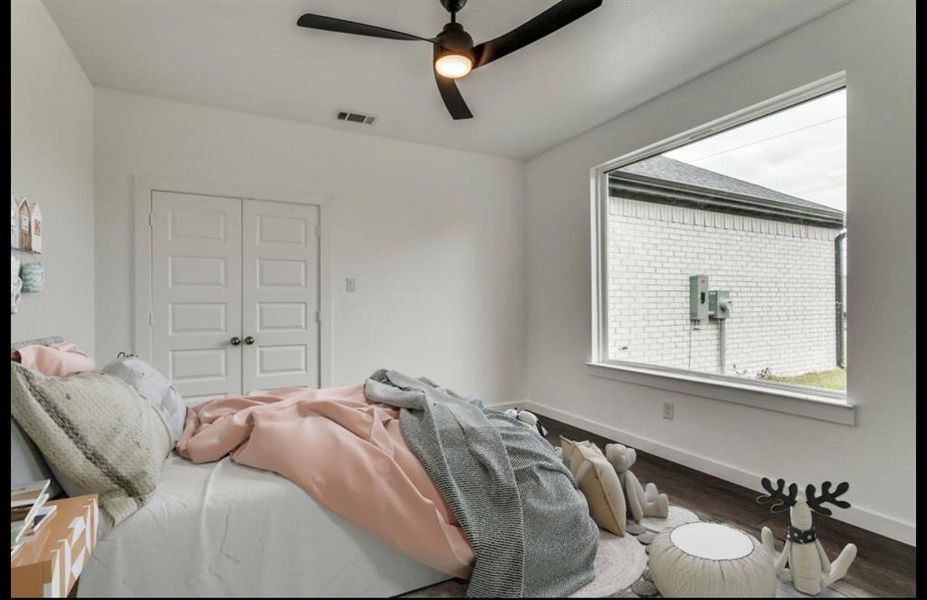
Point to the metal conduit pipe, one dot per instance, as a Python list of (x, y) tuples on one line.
[(722, 340), (840, 300)]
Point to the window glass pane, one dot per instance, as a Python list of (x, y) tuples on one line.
[(728, 255)]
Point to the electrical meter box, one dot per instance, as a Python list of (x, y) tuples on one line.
[(698, 297), (719, 304)]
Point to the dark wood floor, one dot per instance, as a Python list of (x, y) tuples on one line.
[(883, 567)]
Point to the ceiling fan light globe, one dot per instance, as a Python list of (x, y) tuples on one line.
[(453, 66)]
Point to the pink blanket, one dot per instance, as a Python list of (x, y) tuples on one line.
[(60, 359), (348, 453)]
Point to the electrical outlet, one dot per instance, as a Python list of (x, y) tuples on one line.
[(668, 410), (350, 285)]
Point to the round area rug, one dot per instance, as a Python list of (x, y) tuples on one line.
[(644, 588), (619, 562), (676, 516)]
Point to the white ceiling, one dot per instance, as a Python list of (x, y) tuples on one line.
[(250, 56)]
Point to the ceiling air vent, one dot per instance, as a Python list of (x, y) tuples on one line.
[(354, 117)]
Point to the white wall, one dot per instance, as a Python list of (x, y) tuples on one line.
[(51, 162), (874, 43), (780, 277), (434, 237)]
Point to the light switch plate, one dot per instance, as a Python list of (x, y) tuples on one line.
[(350, 285)]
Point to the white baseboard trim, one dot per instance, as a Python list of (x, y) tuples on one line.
[(867, 519), (503, 406)]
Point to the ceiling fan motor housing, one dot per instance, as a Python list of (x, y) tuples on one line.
[(454, 38)]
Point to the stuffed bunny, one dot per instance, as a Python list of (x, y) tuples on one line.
[(528, 418), (641, 503)]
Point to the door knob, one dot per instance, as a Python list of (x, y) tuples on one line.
[(235, 340), (249, 340)]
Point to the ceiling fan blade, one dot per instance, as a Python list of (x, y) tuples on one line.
[(342, 26), (451, 95), (559, 15)]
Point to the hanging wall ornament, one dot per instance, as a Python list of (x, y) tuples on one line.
[(14, 221), (36, 228), (25, 225), (33, 276), (16, 285)]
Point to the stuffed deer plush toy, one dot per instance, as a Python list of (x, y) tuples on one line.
[(641, 502), (803, 560)]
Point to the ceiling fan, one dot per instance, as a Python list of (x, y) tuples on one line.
[(455, 55)]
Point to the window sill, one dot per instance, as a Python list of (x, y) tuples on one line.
[(794, 402)]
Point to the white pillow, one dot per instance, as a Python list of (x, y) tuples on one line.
[(597, 481), (155, 388)]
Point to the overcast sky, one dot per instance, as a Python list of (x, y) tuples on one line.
[(799, 151)]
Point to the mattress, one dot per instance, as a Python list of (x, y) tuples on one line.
[(223, 529)]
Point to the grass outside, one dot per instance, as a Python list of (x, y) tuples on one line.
[(835, 379)]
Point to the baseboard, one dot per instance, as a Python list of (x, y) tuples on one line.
[(502, 406), (864, 518)]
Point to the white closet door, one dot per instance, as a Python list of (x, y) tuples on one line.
[(280, 289), (196, 293)]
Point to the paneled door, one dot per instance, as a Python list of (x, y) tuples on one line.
[(196, 293), (280, 291)]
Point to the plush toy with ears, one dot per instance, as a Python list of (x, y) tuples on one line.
[(803, 560), (528, 418), (641, 502)]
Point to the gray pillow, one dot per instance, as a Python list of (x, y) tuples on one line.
[(96, 432), (26, 462)]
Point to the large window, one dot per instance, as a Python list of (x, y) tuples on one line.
[(725, 257)]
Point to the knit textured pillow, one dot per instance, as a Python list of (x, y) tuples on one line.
[(96, 431), (154, 387), (597, 481)]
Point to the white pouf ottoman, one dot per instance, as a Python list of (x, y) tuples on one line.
[(710, 560)]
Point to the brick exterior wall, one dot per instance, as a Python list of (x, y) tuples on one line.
[(780, 277)]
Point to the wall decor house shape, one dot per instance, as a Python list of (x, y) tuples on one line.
[(25, 225), (36, 228)]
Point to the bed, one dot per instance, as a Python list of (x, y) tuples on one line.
[(223, 529), (201, 522)]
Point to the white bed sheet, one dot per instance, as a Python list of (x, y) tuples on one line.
[(222, 529)]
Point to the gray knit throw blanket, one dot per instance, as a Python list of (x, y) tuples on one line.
[(513, 497)]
